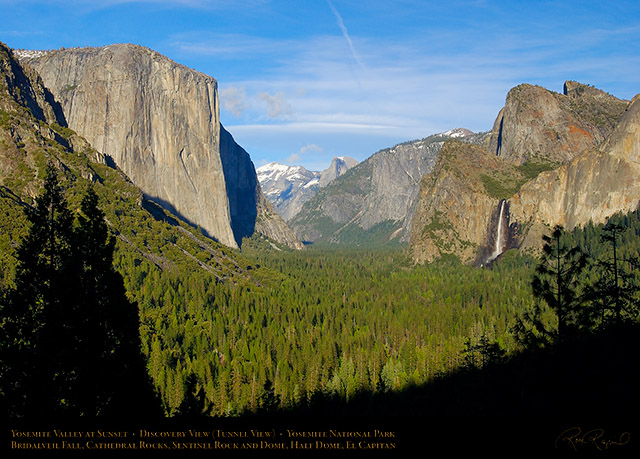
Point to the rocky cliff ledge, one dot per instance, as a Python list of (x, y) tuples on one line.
[(538, 125)]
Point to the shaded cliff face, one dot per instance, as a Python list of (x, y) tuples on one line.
[(33, 131), (23, 86), (542, 126), (159, 121), (250, 210), (373, 202)]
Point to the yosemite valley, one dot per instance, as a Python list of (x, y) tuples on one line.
[(453, 274)]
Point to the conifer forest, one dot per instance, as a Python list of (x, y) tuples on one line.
[(301, 326)]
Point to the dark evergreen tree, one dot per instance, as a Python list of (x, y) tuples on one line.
[(70, 336), (557, 282), (613, 296), (36, 315), (269, 400), (109, 353), (194, 404)]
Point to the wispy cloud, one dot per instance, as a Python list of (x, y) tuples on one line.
[(231, 45), (277, 106), (233, 99), (345, 33)]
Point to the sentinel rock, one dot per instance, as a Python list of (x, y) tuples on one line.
[(159, 121)]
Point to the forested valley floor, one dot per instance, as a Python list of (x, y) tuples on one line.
[(341, 326), (325, 329)]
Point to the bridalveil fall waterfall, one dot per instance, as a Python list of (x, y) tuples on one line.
[(500, 241)]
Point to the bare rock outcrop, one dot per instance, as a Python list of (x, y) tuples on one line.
[(538, 125), (592, 187), (338, 167), (159, 121), (562, 159)]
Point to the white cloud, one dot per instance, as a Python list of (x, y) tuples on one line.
[(295, 158), (230, 45), (312, 147), (277, 106), (233, 99)]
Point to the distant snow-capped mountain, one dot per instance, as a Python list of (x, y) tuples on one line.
[(289, 187), (375, 201)]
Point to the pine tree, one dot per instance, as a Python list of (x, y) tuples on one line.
[(36, 313), (110, 357), (71, 344), (614, 294), (557, 281)]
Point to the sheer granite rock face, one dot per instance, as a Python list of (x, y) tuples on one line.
[(538, 125), (159, 121), (593, 186)]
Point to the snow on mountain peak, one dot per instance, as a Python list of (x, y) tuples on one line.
[(457, 133)]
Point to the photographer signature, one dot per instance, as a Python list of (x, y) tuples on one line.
[(576, 438)]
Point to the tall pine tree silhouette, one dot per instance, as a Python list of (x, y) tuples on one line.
[(32, 378), (71, 339), (557, 281), (614, 294)]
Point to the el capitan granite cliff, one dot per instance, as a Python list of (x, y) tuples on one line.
[(159, 122)]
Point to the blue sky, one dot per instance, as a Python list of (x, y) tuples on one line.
[(303, 81)]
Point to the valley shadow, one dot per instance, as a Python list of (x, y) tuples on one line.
[(593, 376), (587, 387), (576, 397)]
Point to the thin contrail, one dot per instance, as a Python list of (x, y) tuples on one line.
[(345, 33)]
